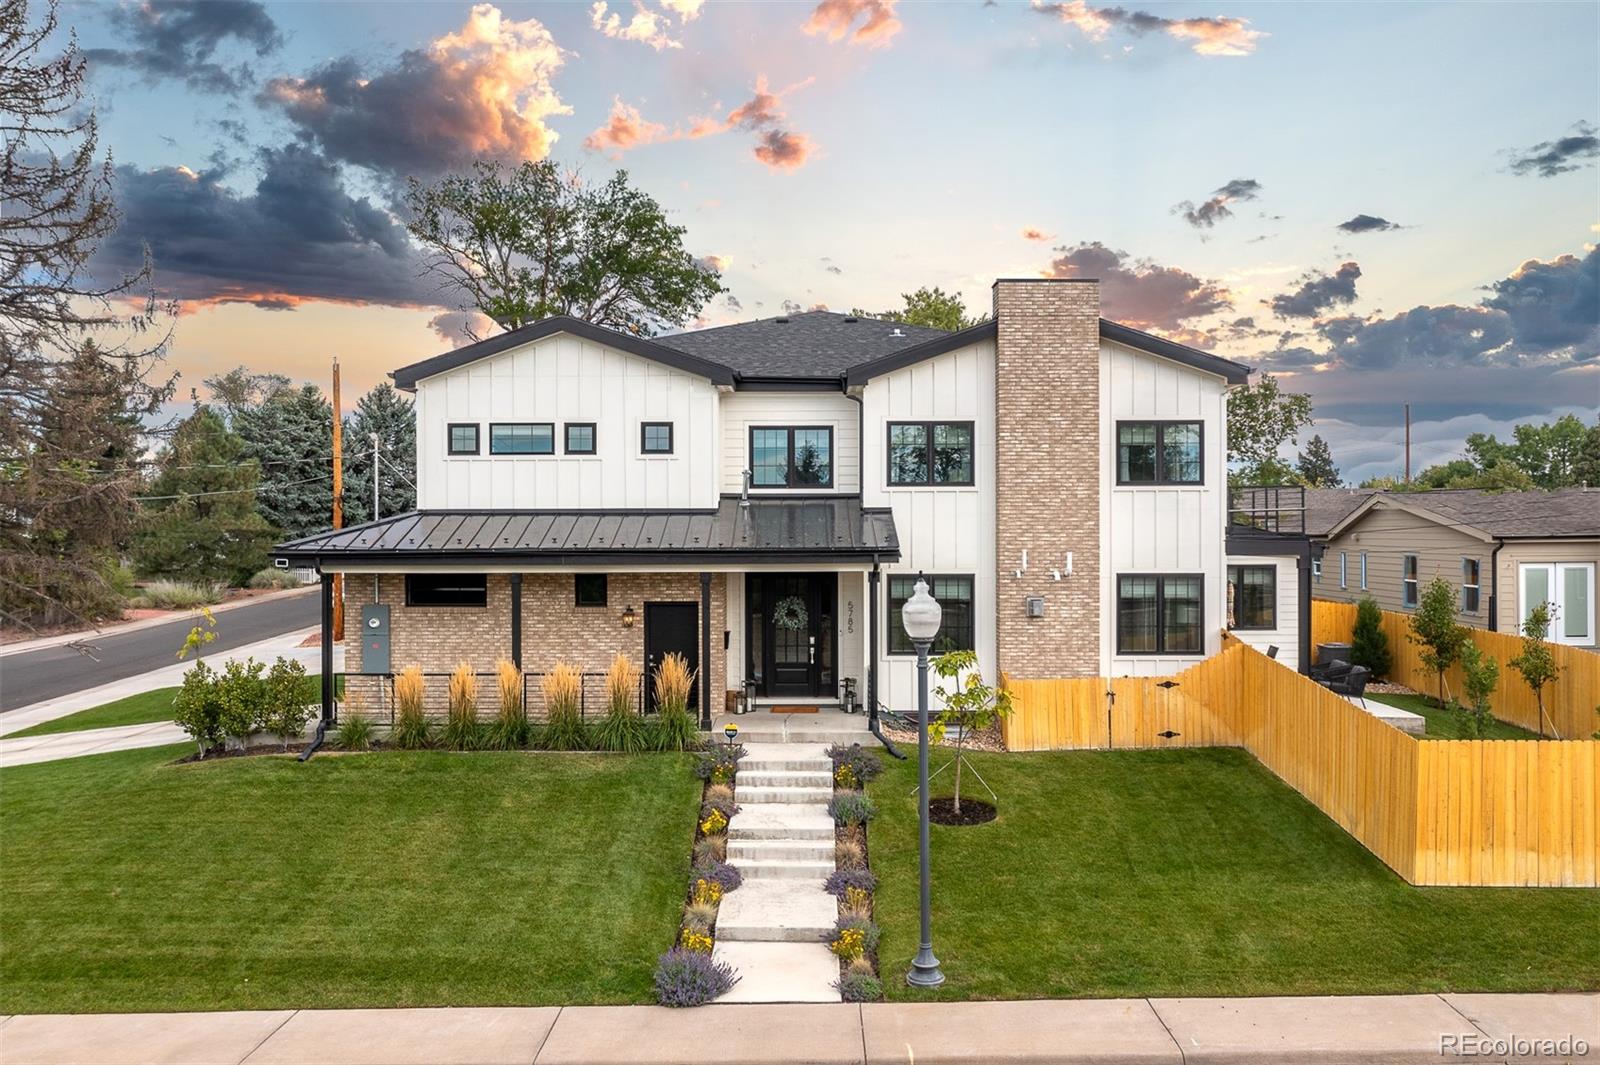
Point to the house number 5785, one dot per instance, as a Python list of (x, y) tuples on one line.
[(850, 618)]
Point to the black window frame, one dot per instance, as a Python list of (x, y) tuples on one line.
[(1161, 478), (522, 454), (1475, 586), (892, 624), (430, 601), (1272, 596), (450, 438), (1161, 615), (1410, 586), (578, 600), (566, 438), (789, 482), (928, 427), (644, 436)]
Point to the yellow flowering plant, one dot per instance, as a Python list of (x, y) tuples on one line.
[(699, 942)]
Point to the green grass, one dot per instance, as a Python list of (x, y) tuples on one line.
[(1442, 724), (1195, 873), (143, 709), (393, 879)]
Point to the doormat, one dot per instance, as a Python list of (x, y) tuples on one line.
[(794, 710)]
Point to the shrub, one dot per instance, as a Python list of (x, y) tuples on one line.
[(245, 699), (177, 595), (563, 700), (354, 733), (852, 808), (722, 873), (860, 765), (461, 732), (1369, 644), (197, 709), (718, 792), (621, 729), (412, 730), (674, 727), (706, 892), (723, 805), (286, 710), (1480, 675), (852, 938), (848, 853), (509, 732), (689, 978), (273, 577), (714, 823), (699, 942), (859, 987), (719, 763), (842, 880), (710, 849)]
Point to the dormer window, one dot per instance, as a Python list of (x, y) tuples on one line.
[(791, 457)]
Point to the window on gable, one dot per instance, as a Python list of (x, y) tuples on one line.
[(1160, 613), (589, 589), (655, 438), (580, 438), (1255, 596), (1469, 586), (522, 438), (954, 594), (1408, 580), (1160, 453), (791, 457), (463, 438), (447, 589), (931, 453)]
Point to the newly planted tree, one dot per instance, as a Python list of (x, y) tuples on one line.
[(1537, 663), (1480, 675), (967, 704), (1434, 628)]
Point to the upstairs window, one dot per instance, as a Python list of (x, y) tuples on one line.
[(791, 457), (580, 438), (1160, 613), (447, 589), (1469, 586), (655, 438), (522, 438), (930, 453), (1408, 580), (463, 438), (1160, 453), (1255, 596)]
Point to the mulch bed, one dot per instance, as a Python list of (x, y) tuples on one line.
[(973, 812), (249, 752), (977, 740)]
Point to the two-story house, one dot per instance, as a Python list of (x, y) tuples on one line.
[(761, 498)]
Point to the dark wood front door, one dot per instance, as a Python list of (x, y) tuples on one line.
[(792, 637), (670, 628)]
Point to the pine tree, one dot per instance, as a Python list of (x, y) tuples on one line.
[(1316, 466), (1369, 644), (290, 435), (386, 412), (200, 521)]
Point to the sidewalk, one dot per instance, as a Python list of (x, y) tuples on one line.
[(1389, 1029)]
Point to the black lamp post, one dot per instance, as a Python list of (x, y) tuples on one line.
[(921, 616)]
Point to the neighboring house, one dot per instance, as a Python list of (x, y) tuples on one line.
[(1502, 552), (762, 497)]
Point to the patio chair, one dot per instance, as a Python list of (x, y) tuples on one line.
[(1324, 672), (1352, 685)]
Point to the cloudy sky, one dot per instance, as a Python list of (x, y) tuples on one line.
[(1381, 202)]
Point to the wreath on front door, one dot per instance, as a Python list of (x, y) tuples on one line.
[(790, 613)]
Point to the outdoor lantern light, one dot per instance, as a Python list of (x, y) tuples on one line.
[(628, 617), (921, 616)]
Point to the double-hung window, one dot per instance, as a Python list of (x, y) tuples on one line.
[(463, 438), (1344, 570), (1470, 588), (1255, 596), (522, 438), (1316, 570), (1160, 453), (930, 453), (1408, 580), (791, 457), (1160, 613), (1363, 571), (954, 593)]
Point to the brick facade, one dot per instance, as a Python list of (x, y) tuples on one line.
[(553, 628), (1047, 457)]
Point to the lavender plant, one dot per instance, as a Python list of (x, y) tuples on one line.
[(849, 878), (689, 978)]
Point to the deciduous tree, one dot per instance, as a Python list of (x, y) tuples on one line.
[(1536, 663), (1435, 629), (1262, 421), (932, 308)]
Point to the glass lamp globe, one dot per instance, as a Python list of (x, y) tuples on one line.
[(921, 614)]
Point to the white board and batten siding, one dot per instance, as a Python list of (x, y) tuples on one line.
[(1161, 528), (564, 379), (1285, 633), (945, 530), (743, 410)]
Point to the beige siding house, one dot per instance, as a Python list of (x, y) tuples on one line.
[(1504, 553)]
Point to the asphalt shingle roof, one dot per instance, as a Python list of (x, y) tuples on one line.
[(810, 344), (1327, 507), (1513, 515)]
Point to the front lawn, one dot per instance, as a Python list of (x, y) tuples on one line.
[(146, 708), (1442, 724), (392, 879), (1194, 873)]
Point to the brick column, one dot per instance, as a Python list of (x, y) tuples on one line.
[(1047, 452)]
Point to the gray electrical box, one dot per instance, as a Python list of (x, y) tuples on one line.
[(375, 638), (1035, 604)]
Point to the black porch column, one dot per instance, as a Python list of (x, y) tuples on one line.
[(705, 651), (327, 648), (516, 620), (872, 649)]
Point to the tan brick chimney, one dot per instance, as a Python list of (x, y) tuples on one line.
[(1047, 452)]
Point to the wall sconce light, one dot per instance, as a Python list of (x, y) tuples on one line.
[(628, 617)]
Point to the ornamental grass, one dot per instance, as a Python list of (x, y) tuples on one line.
[(412, 729), (509, 732), (562, 688), (674, 727), (461, 732), (622, 729)]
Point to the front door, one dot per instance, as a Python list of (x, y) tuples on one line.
[(670, 628), (792, 633)]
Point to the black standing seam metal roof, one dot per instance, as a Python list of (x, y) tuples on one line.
[(767, 529)]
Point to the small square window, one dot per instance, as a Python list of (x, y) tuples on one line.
[(463, 438), (655, 438), (589, 589), (580, 438)]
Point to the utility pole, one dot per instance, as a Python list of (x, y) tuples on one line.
[(338, 502), (374, 476), (1408, 443)]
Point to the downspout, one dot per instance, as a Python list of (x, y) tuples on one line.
[(873, 724), (326, 717), (1494, 585)]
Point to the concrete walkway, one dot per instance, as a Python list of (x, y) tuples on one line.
[(1390, 1029)]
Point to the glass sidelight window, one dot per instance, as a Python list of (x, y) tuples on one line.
[(791, 457)]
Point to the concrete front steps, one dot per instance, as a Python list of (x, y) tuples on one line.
[(770, 928)]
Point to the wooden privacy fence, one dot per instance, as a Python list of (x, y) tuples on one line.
[(1468, 812), (1569, 702)]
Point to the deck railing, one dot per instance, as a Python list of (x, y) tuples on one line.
[(1271, 508)]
